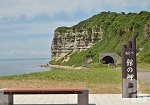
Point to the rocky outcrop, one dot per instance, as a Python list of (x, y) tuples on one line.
[(66, 42), (147, 30), (108, 30)]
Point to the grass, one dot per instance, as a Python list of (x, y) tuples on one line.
[(144, 66), (117, 30), (97, 75), (99, 80)]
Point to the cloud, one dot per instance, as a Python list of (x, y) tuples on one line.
[(16, 54), (36, 28), (39, 53), (32, 8), (27, 26), (24, 17), (32, 48)]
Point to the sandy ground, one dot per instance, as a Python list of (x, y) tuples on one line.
[(62, 67)]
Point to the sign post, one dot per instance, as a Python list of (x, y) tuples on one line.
[(129, 70)]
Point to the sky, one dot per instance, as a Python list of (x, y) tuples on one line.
[(27, 26)]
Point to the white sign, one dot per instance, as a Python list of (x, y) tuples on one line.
[(130, 76), (129, 69), (129, 53), (129, 62)]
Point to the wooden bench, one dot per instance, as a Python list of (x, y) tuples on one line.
[(6, 95)]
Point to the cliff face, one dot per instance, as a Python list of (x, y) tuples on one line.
[(104, 32), (65, 43)]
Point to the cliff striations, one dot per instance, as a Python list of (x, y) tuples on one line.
[(64, 43), (105, 32)]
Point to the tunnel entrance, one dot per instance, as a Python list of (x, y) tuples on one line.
[(107, 60)]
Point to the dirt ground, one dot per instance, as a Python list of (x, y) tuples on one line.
[(93, 88)]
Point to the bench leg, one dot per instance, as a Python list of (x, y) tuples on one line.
[(5, 99), (83, 99)]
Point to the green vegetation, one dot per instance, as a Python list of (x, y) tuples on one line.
[(144, 55), (143, 65), (62, 29), (97, 75), (104, 80), (118, 29), (98, 80)]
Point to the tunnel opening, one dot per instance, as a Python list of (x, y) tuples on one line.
[(107, 60)]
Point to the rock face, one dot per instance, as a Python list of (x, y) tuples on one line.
[(65, 43), (147, 30), (108, 30)]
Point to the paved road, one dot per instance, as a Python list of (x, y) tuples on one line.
[(143, 75), (68, 99)]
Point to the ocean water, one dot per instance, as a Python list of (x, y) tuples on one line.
[(22, 66)]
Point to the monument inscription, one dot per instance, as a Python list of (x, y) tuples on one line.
[(129, 70)]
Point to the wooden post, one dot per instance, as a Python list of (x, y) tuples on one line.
[(129, 69)]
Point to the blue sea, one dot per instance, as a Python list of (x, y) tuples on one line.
[(22, 66)]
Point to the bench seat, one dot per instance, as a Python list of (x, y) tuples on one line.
[(43, 91), (6, 95)]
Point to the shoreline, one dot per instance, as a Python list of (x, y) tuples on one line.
[(61, 67), (65, 67)]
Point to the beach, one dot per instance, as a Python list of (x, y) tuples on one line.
[(62, 67)]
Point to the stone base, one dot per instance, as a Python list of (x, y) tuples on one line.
[(5, 99), (83, 99)]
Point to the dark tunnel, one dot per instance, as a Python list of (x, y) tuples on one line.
[(107, 60)]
